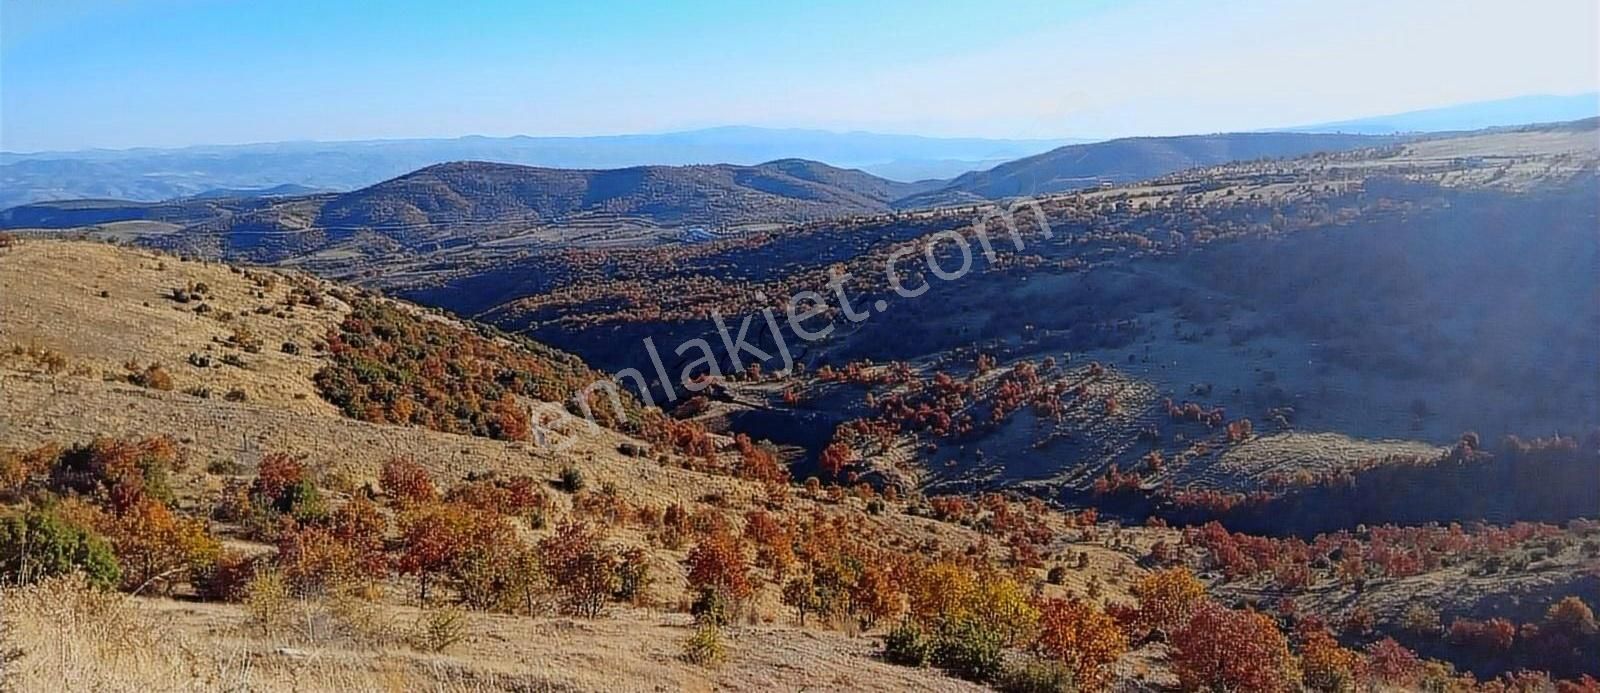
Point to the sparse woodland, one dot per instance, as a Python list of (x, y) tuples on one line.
[(869, 532)]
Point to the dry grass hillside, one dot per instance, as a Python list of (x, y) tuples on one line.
[(270, 540), (75, 316)]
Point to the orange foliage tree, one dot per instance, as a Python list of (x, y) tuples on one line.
[(1081, 636), (1166, 599), (407, 482), (1227, 649), (717, 564), (582, 568)]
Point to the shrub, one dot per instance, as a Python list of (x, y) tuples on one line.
[(313, 559), (970, 651), (1421, 620), (118, 472), (154, 545), (711, 607), (439, 628), (1167, 598), (1571, 618), (302, 501), (1226, 649), (1034, 675), (267, 602), (571, 479), (275, 474), (407, 482), (1326, 666), (1486, 637), (1391, 664), (633, 576), (153, 376), (582, 568), (907, 645), (228, 579), (705, 646), (1057, 575), (40, 545)]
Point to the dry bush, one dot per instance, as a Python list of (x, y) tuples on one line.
[(267, 602), (71, 631), (69, 635)]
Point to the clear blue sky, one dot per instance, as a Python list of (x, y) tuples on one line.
[(120, 73)]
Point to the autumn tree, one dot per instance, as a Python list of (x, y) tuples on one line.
[(717, 564), (1082, 637), (1227, 649), (407, 482), (156, 546), (583, 570), (1166, 599), (835, 457), (429, 536), (1326, 666)]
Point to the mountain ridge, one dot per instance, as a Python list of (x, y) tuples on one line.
[(1127, 160)]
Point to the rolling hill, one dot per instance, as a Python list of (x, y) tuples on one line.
[(149, 175), (1080, 166), (463, 202), (465, 192)]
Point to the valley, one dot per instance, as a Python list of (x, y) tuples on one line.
[(1218, 404)]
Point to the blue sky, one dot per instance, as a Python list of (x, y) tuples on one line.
[(120, 73)]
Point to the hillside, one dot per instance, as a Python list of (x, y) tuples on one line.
[(463, 203), (86, 326), (468, 192), (1080, 166), (184, 369), (1137, 298)]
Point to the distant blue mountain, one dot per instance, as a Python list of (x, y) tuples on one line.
[(1521, 110), (148, 175)]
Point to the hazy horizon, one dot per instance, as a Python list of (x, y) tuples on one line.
[(1306, 126)]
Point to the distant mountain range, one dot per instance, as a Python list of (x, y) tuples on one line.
[(1081, 166), (150, 175), (462, 203), (1471, 116)]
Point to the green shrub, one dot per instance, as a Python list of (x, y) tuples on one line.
[(439, 628), (40, 545), (571, 480), (302, 501), (967, 649), (711, 607), (906, 645), (633, 576), (705, 646), (1034, 675)]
